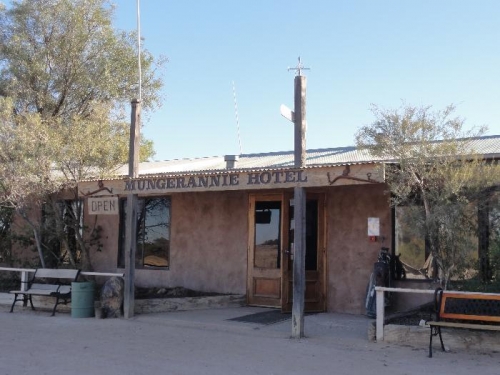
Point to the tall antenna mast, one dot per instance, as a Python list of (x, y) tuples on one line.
[(139, 47), (237, 119)]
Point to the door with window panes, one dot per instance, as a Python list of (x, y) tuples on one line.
[(270, 251)]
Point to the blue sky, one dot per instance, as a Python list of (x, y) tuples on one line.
[(423, 52)]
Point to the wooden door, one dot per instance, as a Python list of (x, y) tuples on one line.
[(270, 260), (315, 292), (266, 218)]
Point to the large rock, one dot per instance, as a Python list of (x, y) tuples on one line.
[(112, 298)]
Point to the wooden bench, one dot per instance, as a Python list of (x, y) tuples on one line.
[(49, 283), (464, 310)]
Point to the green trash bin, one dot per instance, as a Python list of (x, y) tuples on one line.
[(82, 299)]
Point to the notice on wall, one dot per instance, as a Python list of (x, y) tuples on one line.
[(373, 226), (103, 206)]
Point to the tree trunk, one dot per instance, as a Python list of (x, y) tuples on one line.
[(38, 241), (39, 246)]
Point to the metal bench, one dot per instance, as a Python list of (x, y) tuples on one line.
[(464, 310), (49, 283)]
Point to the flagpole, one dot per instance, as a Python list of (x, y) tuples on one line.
[(139, 47)]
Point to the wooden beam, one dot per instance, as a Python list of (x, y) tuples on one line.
[(299, 258), (299, 261), (131, 223), (300, 121)]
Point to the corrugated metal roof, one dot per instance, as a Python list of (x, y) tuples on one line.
[(488, 146)]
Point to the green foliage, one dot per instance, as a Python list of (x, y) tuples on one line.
[(430, 162), (66, 81), (475, 284), (61, 56)]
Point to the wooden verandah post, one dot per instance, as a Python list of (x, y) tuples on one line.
[(131, 223), (299, 273)]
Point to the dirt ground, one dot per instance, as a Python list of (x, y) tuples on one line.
[(209, 342)]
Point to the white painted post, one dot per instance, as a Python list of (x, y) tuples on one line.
[(24, 280), (380, 315), (25, 275)]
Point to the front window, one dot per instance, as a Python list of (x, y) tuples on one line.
[(490, 235), (62, 226), (456, 240), (153, 233)]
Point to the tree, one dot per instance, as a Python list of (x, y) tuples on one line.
[(59, 57), (431, 165), (66, 81)]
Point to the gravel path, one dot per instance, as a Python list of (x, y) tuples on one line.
[(206, 342)]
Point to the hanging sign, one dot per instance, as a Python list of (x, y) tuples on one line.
[(237, 180), (103, 206)]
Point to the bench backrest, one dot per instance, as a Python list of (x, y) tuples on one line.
[(51, 273), (468, 306)]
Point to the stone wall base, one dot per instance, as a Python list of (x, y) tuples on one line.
[(143, 306), (156, 305)]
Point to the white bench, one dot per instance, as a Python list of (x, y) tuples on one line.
[(49, 283)]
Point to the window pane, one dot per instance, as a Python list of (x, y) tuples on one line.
[(311, 235), (72, 215), (156, 232), (153, 232), (410, 243), (267, 234), (456, 240), (60, 222)]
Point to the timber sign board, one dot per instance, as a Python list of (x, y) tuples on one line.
[(103, 206), (237, 180)]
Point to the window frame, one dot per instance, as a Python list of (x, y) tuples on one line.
[(140, 245)]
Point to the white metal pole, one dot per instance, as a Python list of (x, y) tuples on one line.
[(139, 47)]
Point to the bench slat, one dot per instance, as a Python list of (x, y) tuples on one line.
[(52, 287), (469, 295), (64, 289), (56, 273), (470, 314), (37, 292), (485, 318), (464, 325)]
